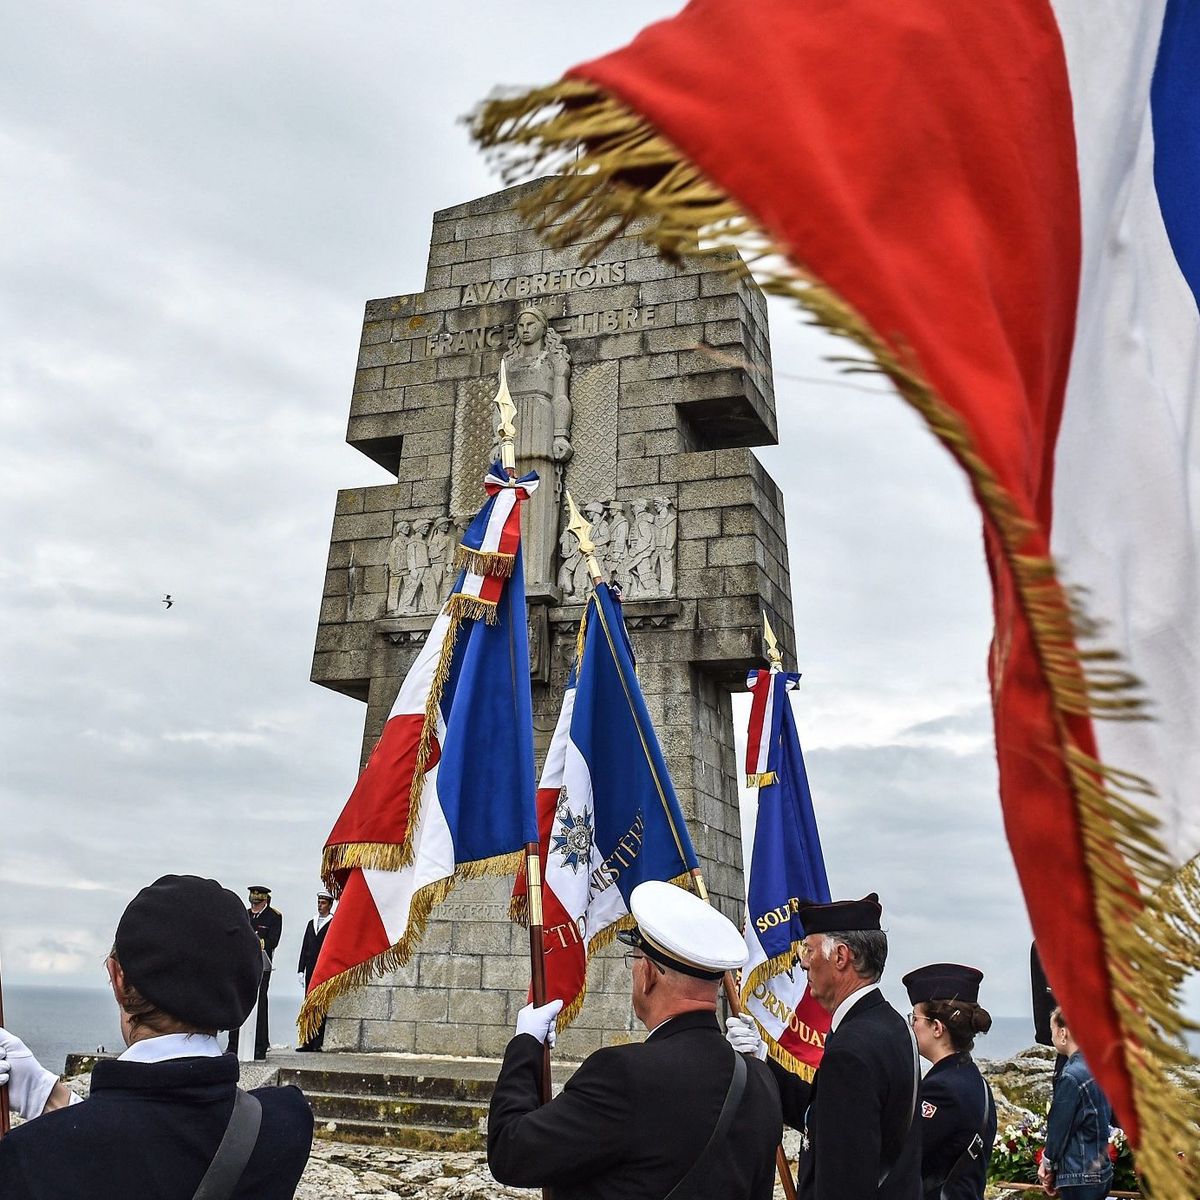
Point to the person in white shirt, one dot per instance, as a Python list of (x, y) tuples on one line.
[(310, 951)]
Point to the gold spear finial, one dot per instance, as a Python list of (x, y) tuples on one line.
[(581, 527), (507, 429), (774, 657)]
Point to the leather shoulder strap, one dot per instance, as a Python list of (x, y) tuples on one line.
[(912, 1110), (733, 1097), (237, 1144)]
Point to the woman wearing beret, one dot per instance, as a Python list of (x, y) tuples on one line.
[(185, 963), (957, 1111)]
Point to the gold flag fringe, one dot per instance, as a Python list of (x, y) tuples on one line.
[(318, 1002), (620, 176), (373, 856), (484, 562), (472, 608), (766, 971), (763, 779), (518, 906), (787, 1060)]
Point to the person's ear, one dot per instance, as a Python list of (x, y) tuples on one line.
[(650, 976), (116, 975)]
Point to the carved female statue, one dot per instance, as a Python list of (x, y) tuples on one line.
[(538, 368)]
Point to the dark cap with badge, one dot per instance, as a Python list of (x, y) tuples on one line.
[(943, 981), (841, 916), (186, 945), (679, 931), (258, 889)]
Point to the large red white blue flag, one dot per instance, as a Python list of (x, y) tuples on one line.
[(608, 815), (448, 792), (785, 869), (997, 203)]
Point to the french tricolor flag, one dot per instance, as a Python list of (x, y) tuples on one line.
[(997, 205), (784, 868), (448, 792), (608, 815)]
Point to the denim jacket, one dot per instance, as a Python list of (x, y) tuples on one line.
[(1077, 1128)]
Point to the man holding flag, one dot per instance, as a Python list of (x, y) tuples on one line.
[(650, 1120), (860, 1141)]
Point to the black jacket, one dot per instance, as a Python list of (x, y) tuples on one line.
[(632, 1119), (310, 949), (149, 1131), (268, 924), (858, 1110), (953, 1096)]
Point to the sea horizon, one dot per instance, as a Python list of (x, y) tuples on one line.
[(56, 1020)]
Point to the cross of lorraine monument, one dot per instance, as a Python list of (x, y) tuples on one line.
[(639, 385)]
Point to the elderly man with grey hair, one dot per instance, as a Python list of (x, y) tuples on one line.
[(859, 1138)]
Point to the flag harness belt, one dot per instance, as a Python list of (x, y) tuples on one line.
[(737, 1085)]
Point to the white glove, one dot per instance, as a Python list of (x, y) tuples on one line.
[(29, 1083), (300, 976), (742, 1034), (539, 1022)]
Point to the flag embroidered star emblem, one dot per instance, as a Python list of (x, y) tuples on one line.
[(573, 838)]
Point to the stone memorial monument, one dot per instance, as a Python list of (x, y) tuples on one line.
[(639, 385)]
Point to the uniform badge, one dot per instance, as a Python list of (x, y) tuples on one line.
[(927, 1109)]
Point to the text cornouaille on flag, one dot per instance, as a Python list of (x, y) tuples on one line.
[(785, 868), (448, 791), (1010, 234), (608, 815)]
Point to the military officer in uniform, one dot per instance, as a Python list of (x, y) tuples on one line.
[(637, 1122), (267, 922), (860, 1139), (958, 1114), (310, 951), (184, 964)]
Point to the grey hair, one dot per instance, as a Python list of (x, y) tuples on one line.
[(868, 951)]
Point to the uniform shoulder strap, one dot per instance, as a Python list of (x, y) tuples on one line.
[(733, 1097), (229, 1163)]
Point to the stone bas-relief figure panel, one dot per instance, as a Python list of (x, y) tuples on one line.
[(420, 564), (538, 368), (635, 548)]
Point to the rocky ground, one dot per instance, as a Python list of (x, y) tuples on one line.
[(340, 1171)]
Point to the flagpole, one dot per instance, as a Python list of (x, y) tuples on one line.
[(580, 527), (507, 430)]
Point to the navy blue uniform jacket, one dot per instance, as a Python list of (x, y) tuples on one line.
[(632, 1119), (149, 1131), (857, 1110), (953, 1096)]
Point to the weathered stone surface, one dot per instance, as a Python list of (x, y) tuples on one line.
[(661, 422)]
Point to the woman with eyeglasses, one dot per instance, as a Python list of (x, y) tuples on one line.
[(957, 1110)]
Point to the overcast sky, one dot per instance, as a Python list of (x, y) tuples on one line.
[(197, 200)]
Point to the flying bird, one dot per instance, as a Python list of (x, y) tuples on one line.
[(167, 600)]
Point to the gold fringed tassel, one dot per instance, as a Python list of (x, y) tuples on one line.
[(764, 779), (472, 608), (788, 1061), (518, 909), (484, 562), (375, 856), (765, 971), (618, 176)]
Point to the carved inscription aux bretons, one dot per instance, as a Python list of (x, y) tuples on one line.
[(544, 283)]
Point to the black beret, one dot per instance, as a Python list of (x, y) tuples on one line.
[(943, 981), (841, 916), (186, 944)]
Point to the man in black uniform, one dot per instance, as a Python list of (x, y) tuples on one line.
[(184, 964), (310, 951), (634, 1121), (267, 922), (859, 1141)]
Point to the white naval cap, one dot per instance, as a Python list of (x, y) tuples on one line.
[(681, 931)]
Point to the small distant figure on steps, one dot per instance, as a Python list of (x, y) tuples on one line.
[(310, 951)]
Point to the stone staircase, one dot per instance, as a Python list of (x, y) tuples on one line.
[(430, 1105)]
